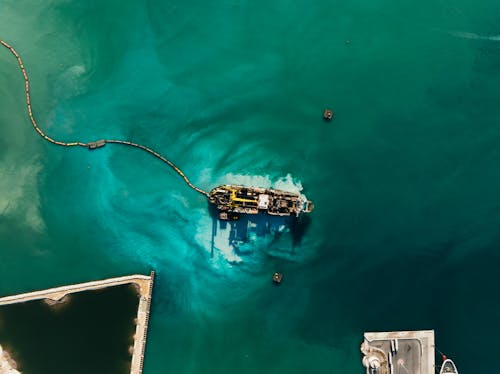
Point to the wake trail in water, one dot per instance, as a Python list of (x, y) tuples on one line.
[(474, 36)]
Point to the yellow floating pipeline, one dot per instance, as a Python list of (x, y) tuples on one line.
[(91, 145)]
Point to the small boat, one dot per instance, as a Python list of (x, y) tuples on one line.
[(448, 367)]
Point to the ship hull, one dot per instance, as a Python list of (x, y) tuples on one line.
[(231, 200), (448, 367)]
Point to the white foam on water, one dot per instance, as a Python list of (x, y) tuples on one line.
[(286, 183)]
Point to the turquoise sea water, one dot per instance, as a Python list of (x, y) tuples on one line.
[(405, 179)]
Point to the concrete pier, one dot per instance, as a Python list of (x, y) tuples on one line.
[(410, 352), (144, 285), (141, 329)]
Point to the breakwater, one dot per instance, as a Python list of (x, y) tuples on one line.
[(141, 331)]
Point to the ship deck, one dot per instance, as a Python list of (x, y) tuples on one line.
[(252, 200)]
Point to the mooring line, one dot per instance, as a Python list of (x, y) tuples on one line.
[(90, 145)]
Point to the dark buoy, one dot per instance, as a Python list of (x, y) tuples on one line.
[(328, 115), (277, 277)]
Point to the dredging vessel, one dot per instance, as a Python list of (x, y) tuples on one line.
[(232, 200)]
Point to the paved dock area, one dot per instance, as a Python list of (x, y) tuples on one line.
[(144, 284), (399, 352)]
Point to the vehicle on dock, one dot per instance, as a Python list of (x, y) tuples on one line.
[(448, 367), (232, 200)]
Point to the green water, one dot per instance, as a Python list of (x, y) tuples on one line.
[(77, 336), (405, 179)]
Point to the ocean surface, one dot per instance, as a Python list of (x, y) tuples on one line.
[(76, 336), (405, 233)]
